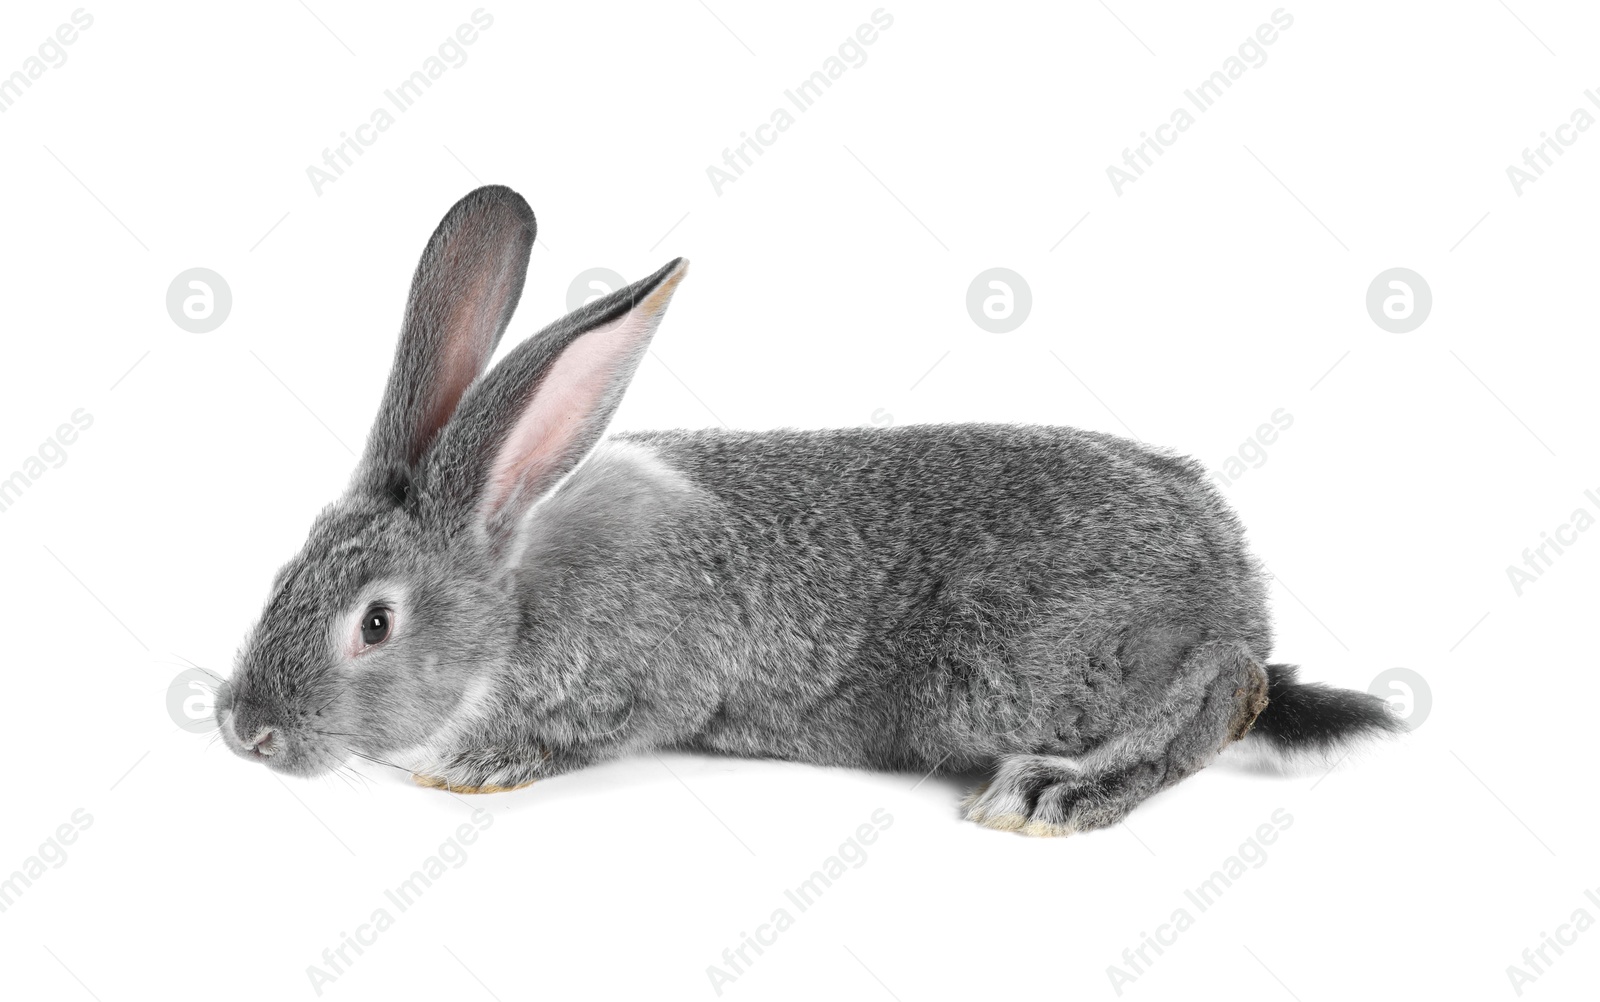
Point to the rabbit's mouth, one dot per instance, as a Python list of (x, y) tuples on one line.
[(282, 752), (251, 735)]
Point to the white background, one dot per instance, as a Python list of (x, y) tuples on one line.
[(827, 282)]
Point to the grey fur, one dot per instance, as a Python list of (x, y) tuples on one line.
[(1074, 611)]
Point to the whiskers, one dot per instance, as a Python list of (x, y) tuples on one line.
[(346, 772), (378, 761), (214, 676)]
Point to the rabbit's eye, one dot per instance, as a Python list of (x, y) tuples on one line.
[(375, 627)]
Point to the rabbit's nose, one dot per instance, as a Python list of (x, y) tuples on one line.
[(265, 743)]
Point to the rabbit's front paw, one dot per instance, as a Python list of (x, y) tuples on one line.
[(487, 770), (436, 783)]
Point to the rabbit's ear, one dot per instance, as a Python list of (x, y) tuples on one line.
[(531, 420), (462, 296)]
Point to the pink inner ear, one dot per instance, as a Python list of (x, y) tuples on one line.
[(572, 394), (469, 329)]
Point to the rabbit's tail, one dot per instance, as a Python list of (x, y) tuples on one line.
[(1311, 725)]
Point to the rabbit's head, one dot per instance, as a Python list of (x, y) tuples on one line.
[(397, 614)]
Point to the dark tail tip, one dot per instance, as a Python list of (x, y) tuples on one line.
[(1311, 715)]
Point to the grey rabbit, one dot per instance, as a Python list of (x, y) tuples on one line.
[(502, 595)]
